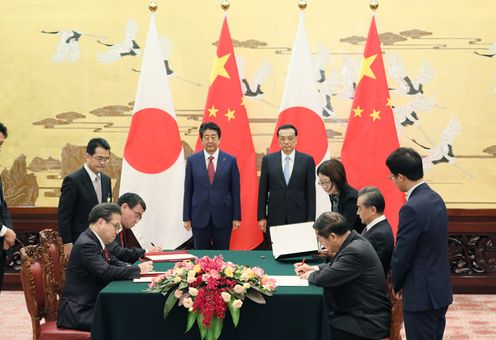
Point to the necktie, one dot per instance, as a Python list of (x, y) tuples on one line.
[(211, 169), (98, 189), (121, 237), (105, 254), (334, 202), (286, 169)]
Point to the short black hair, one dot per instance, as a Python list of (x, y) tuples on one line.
[(209, 126), (330, 222), (3, 130), (96, 142), (372, 197), (287, 126), (132, 199), (334, 169), (103, 210), (407, 162)]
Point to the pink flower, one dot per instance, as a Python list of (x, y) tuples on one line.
[(258, 271), (178, 293), (237, 303), (238, 289), (188, 302), (192, 291), (226, 296)]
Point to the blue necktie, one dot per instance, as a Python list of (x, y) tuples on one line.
[(286, 170)]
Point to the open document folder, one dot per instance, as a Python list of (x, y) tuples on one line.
[(292, 240)]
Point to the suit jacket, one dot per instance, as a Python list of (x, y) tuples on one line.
[(355, 289), (382, 239), (282, 203), (420, 265), (219, 200), (77, 198), (87, 273), (347, 206), (125, 254), (6, 221)]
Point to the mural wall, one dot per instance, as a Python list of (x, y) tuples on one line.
[(70, 72)]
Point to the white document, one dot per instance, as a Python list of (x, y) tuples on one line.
[(170, 257), (144, 279), (289, 280), (289, 239)]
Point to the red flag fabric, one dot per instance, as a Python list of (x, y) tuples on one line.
[(371, 133), (225, 107)]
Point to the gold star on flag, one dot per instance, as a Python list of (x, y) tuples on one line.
[(219, 68), (389, 103), (230, 114), (358, 112), (375, 115), (242, 101), (365, 68), (212, 112)]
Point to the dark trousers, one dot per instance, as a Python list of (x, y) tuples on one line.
[(212, 237), (425, 325), (2, 266), (337, 334)]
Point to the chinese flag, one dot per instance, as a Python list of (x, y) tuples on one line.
[(225, 107), (371, 132)]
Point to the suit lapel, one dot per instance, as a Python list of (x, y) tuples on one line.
[(279, 167), (87, 183), (221, 164)]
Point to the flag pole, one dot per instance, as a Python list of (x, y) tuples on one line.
[(302, 4), (152, 6)]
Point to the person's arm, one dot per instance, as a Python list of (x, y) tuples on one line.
[(188, 192), (310, 190), (263, 188), (128, 255), (345, 268), (6, 219), (349, 211), (65, 211), (409, 230), (236, 196), (92, 259)]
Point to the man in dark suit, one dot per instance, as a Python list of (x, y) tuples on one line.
[(91, 268), (81, 191), (354, 283), (420, 265), (7, 235), (132, 209), (286, 191), (371, 204), (212, 204)]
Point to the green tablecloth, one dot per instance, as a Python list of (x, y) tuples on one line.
[(125, 311)]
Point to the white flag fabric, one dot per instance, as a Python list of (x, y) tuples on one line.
[(153, 164), (301, 107)]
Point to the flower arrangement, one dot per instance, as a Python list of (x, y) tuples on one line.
[(208, 287)]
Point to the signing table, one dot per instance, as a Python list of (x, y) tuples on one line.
[(125, 311)]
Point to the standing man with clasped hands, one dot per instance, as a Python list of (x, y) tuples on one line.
[(286, 191), (212, 207), (81, 191), (7, 235)]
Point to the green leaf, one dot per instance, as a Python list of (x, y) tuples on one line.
[(218, 328), (191, 320), (183, 285), (255, 296), (169, 304), (203, 329), (235, 312), (210, 330)]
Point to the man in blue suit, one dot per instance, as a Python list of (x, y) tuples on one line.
[(212, 206), (420, 265)]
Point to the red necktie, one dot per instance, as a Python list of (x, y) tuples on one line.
[(121, 237), (105, 254), (211, 169)]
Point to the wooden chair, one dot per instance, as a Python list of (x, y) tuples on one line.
[(53, 251), (396, 313), (40, 298)]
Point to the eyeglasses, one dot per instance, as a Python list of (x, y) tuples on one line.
[(101, 159), (391, 176), (117, 226), (139, 215), (324, 183)]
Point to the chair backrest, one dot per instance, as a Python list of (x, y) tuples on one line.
[(40, 301), (396, 313), (53, 251)]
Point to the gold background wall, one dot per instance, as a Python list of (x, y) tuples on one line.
[(455, 38)]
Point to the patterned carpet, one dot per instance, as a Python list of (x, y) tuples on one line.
[(470, 317)]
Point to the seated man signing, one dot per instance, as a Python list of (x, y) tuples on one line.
[(132, 209), (354, 283), (91, 268)]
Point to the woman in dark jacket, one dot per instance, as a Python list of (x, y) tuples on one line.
[(332, 179)]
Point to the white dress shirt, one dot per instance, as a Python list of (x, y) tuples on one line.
[(291, 161), (215, 155)]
